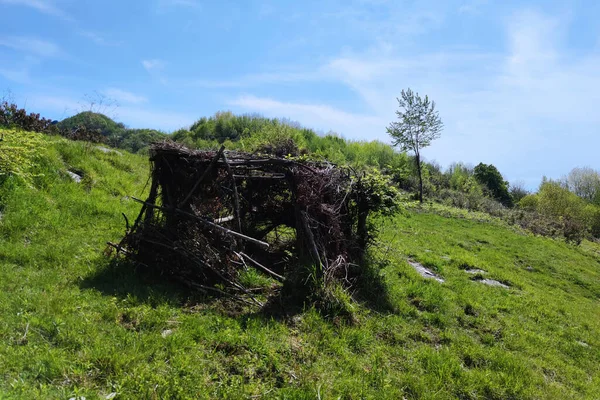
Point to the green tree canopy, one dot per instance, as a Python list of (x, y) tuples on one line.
[(418, 125), (490, 178), (92, 121)]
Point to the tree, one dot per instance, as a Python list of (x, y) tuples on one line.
[(518, 191), (585, 183), (418, 125), (490, 177)]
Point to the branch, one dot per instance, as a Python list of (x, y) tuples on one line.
[(206, 223), (204, 174)]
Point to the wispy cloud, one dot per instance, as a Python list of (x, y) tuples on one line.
[(43, 6), (319, 116), (472, 6), (99, 39), (506, 107), (31, 45), (124, 96), (135, 116), (178, 3), (153, 65), (253, 80), (16, 75)]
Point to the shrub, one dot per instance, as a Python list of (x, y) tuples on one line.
[(529, 202), (11, 116)]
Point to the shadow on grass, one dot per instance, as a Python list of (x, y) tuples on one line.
[(125, 279), (370, 287)]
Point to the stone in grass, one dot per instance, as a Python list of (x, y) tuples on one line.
[(490, 282), (107, 150), (76, 177), (166, 332), (475, 271), (424, 272)]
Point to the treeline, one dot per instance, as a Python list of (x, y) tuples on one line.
[(113, 133), (88, 126), (568, 208)]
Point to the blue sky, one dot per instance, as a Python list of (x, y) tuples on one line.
[(517, 83)]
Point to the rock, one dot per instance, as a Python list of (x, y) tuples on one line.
[(166, 332), (492, 282), (76, 177), (107, 150), (475, 271), (424, 272)]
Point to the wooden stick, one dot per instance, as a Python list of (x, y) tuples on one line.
[(267, 270), (311, 240), (126, 222), (224, 219), (236, 197), (204, 174), (152, 197), (207, 223), (118, 247)]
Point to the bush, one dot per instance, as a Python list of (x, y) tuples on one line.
[(92, 121), (19, 152), (529, 203), (11, 116)]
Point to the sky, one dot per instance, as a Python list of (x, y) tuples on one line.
[(516, 83)]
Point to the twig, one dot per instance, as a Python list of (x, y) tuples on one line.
[(126, 222), (151, 197), (312, 246), (267, 270), (236, 197), (118, 247), (204, 174), (224, 219), (24, 337), (207, 223)]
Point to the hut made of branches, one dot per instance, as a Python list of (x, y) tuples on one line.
[(211, 214)]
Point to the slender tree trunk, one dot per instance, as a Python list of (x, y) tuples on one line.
[(418, 160)]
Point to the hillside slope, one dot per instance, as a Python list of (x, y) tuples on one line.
[(75, 324)]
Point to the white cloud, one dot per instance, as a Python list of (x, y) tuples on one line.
[(532, 101), (252, 80), (153, 65), (133, 116), (99, 39), (124, 96), (14, 75), (31, 45), (318, 116), (43, 6)]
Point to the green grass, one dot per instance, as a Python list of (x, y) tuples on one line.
[(74, 324)]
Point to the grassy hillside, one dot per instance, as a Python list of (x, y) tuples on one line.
[(74, 324)]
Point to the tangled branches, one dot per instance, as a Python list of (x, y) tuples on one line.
[(211, 214)]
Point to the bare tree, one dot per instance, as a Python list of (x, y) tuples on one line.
[(585, 183), (99, 103), (418, 125)]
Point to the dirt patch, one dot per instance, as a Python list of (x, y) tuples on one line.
[(424, 272)]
